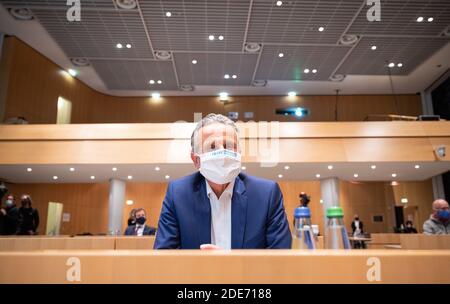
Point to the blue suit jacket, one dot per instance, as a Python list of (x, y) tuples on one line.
[(147, 230), (258, 219)]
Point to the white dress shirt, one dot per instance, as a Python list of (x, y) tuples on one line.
[(140, 229), (221, 216)]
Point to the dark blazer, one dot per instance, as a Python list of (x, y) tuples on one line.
[(147, 230), (258, 219), (361, 225)]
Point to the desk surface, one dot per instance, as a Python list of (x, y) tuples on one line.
[(237, 266)]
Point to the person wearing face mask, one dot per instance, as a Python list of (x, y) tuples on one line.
[(10, 215), (29, 217), (410, 228), (439, 221), (219, 207), (357, 231), (139, 228)]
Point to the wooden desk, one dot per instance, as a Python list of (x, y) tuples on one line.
[(135, 242), (422, 241), (26, 243), (238, 266)]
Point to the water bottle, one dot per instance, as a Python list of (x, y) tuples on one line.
[(335, 234), (303, 237)]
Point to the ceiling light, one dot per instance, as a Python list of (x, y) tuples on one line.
[(159, 81), (55, 177), (420, 19), (92, 177), (321, 201), (126, 4), (168, 14), (114, 169), (337, 77), (194, 61), (394, 175), (72, 169), (252, 47), (318, 175), (220, 37), (29, 169), (223, 96), (404, 200), (80, 61), (226, 76), (130, 177), (399, 65), (280, 55), (321, 29), (128, 46), (373, 167), (306, 71), (373, 48), (244, 168), (119, 45), (156, 95), (286, 167), (187, 87), (417, 166), (391, 65), (349, 39), (330, 167), (211, 37), (280, 175), (298, 112), (72, 73), (355, 175), (234, 76), (259, 83), (21, 13), (394, 183), (167, 176), (157, 168), (292, 94), (314, 71), (163, 55), (430, 19), (279, 3), (129, 202), (151, 81)]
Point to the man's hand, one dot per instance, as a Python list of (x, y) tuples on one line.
[(3, 211), (209, 247)]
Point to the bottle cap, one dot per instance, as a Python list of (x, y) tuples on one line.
[(302, 212), (335, 212)]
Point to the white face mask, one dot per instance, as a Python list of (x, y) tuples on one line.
[(220, 166)]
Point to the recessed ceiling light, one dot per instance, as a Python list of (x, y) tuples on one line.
[(394, 175), (292, 94), (373, 167), (279, 3), (394, 183), (168, 14), (355, 175), (119, 45), (318, 175), (92, 177), (391, 65), (321, 29), (244, 168), (128, 46), (373, 48), (129, 202), (211, 37), (226, 76), (404, 200), (114, 169), (306, 71), (220, 37), (157, 168), (159, 82), (223, 96), (430, 19), (194, 61), (420, 19), (399, 65), (55, 177), (151, 81), (72, 73), (314, 71), (330, 167), (286, 167), (130, 177), (321, 201), (156, 95), (417, 166), (167, 176), (72, 169), (234, 76), (280, 175), (29, 169), (280, 55)]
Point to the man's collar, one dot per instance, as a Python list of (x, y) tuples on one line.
[(228, 190)]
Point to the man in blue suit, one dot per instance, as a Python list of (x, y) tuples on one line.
[(219, 207)]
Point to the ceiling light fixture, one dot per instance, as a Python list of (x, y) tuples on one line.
[(399, 65), (279, 3), (128, 46), (330, 167), (321, 29), (72, 169), (306, 71), (391, 65), (417, 166), (119, 45), (194, 61), (220, 37), (373, 48), (157, 168), (419, 19), (159, 82), (156, 95), (151, 81), (226, 76), (114, 169), (286, 167), (394, 175), (29, 169), (223, 96), (168, 14), (167, 176), (211, 37), (234, 76), (55, 177), (281, 55), (280, 175), (373, 167), (130, 177), (430, 19), (318, 175), (314, 71)]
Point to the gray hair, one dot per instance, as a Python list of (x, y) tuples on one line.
[(210, 119)]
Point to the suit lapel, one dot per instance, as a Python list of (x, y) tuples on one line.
[(202, 211), (238, 214)]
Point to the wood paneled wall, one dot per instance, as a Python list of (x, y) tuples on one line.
[(34, 84), (88, 203)]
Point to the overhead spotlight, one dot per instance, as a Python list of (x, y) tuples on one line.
[(280, 175), (80, 61), (234, 76), (252, 47), (92, 177), (156, 95), (292, 94), (355, 175), (318, 175), (223, 96), (187, 87), (167, 176), (330, 167), (391, 65), (259, 83), (348, 39), (417, 166), (399, 65), (373, 48), (21, 13), (159, 82), (72, 169), (72, 72), (114, 169), (314, 71), (373, 167), (280, 55), (119, 45), (211, 37), (168, 14), (337, 77), (130, 177), (126, 4), (279, 3), (306, 71), (404, 200), (151, 81), (419, 19), (129, 202), (29, 169), (163, 55), (244, 168), (128, 46), (226, 76), (394, 175), (157, 168), (286, 167), (194, 61), (321, 29), (220, 37), (430, 19), (394, 183), (55, 177)]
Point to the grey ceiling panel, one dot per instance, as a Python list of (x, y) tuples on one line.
[(398, 17), (211, 68), (135, 75), (193, 21), (299, 21), (410, 52), (298, 58), (59, 3)]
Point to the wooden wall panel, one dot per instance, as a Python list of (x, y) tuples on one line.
[(35, 83)]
